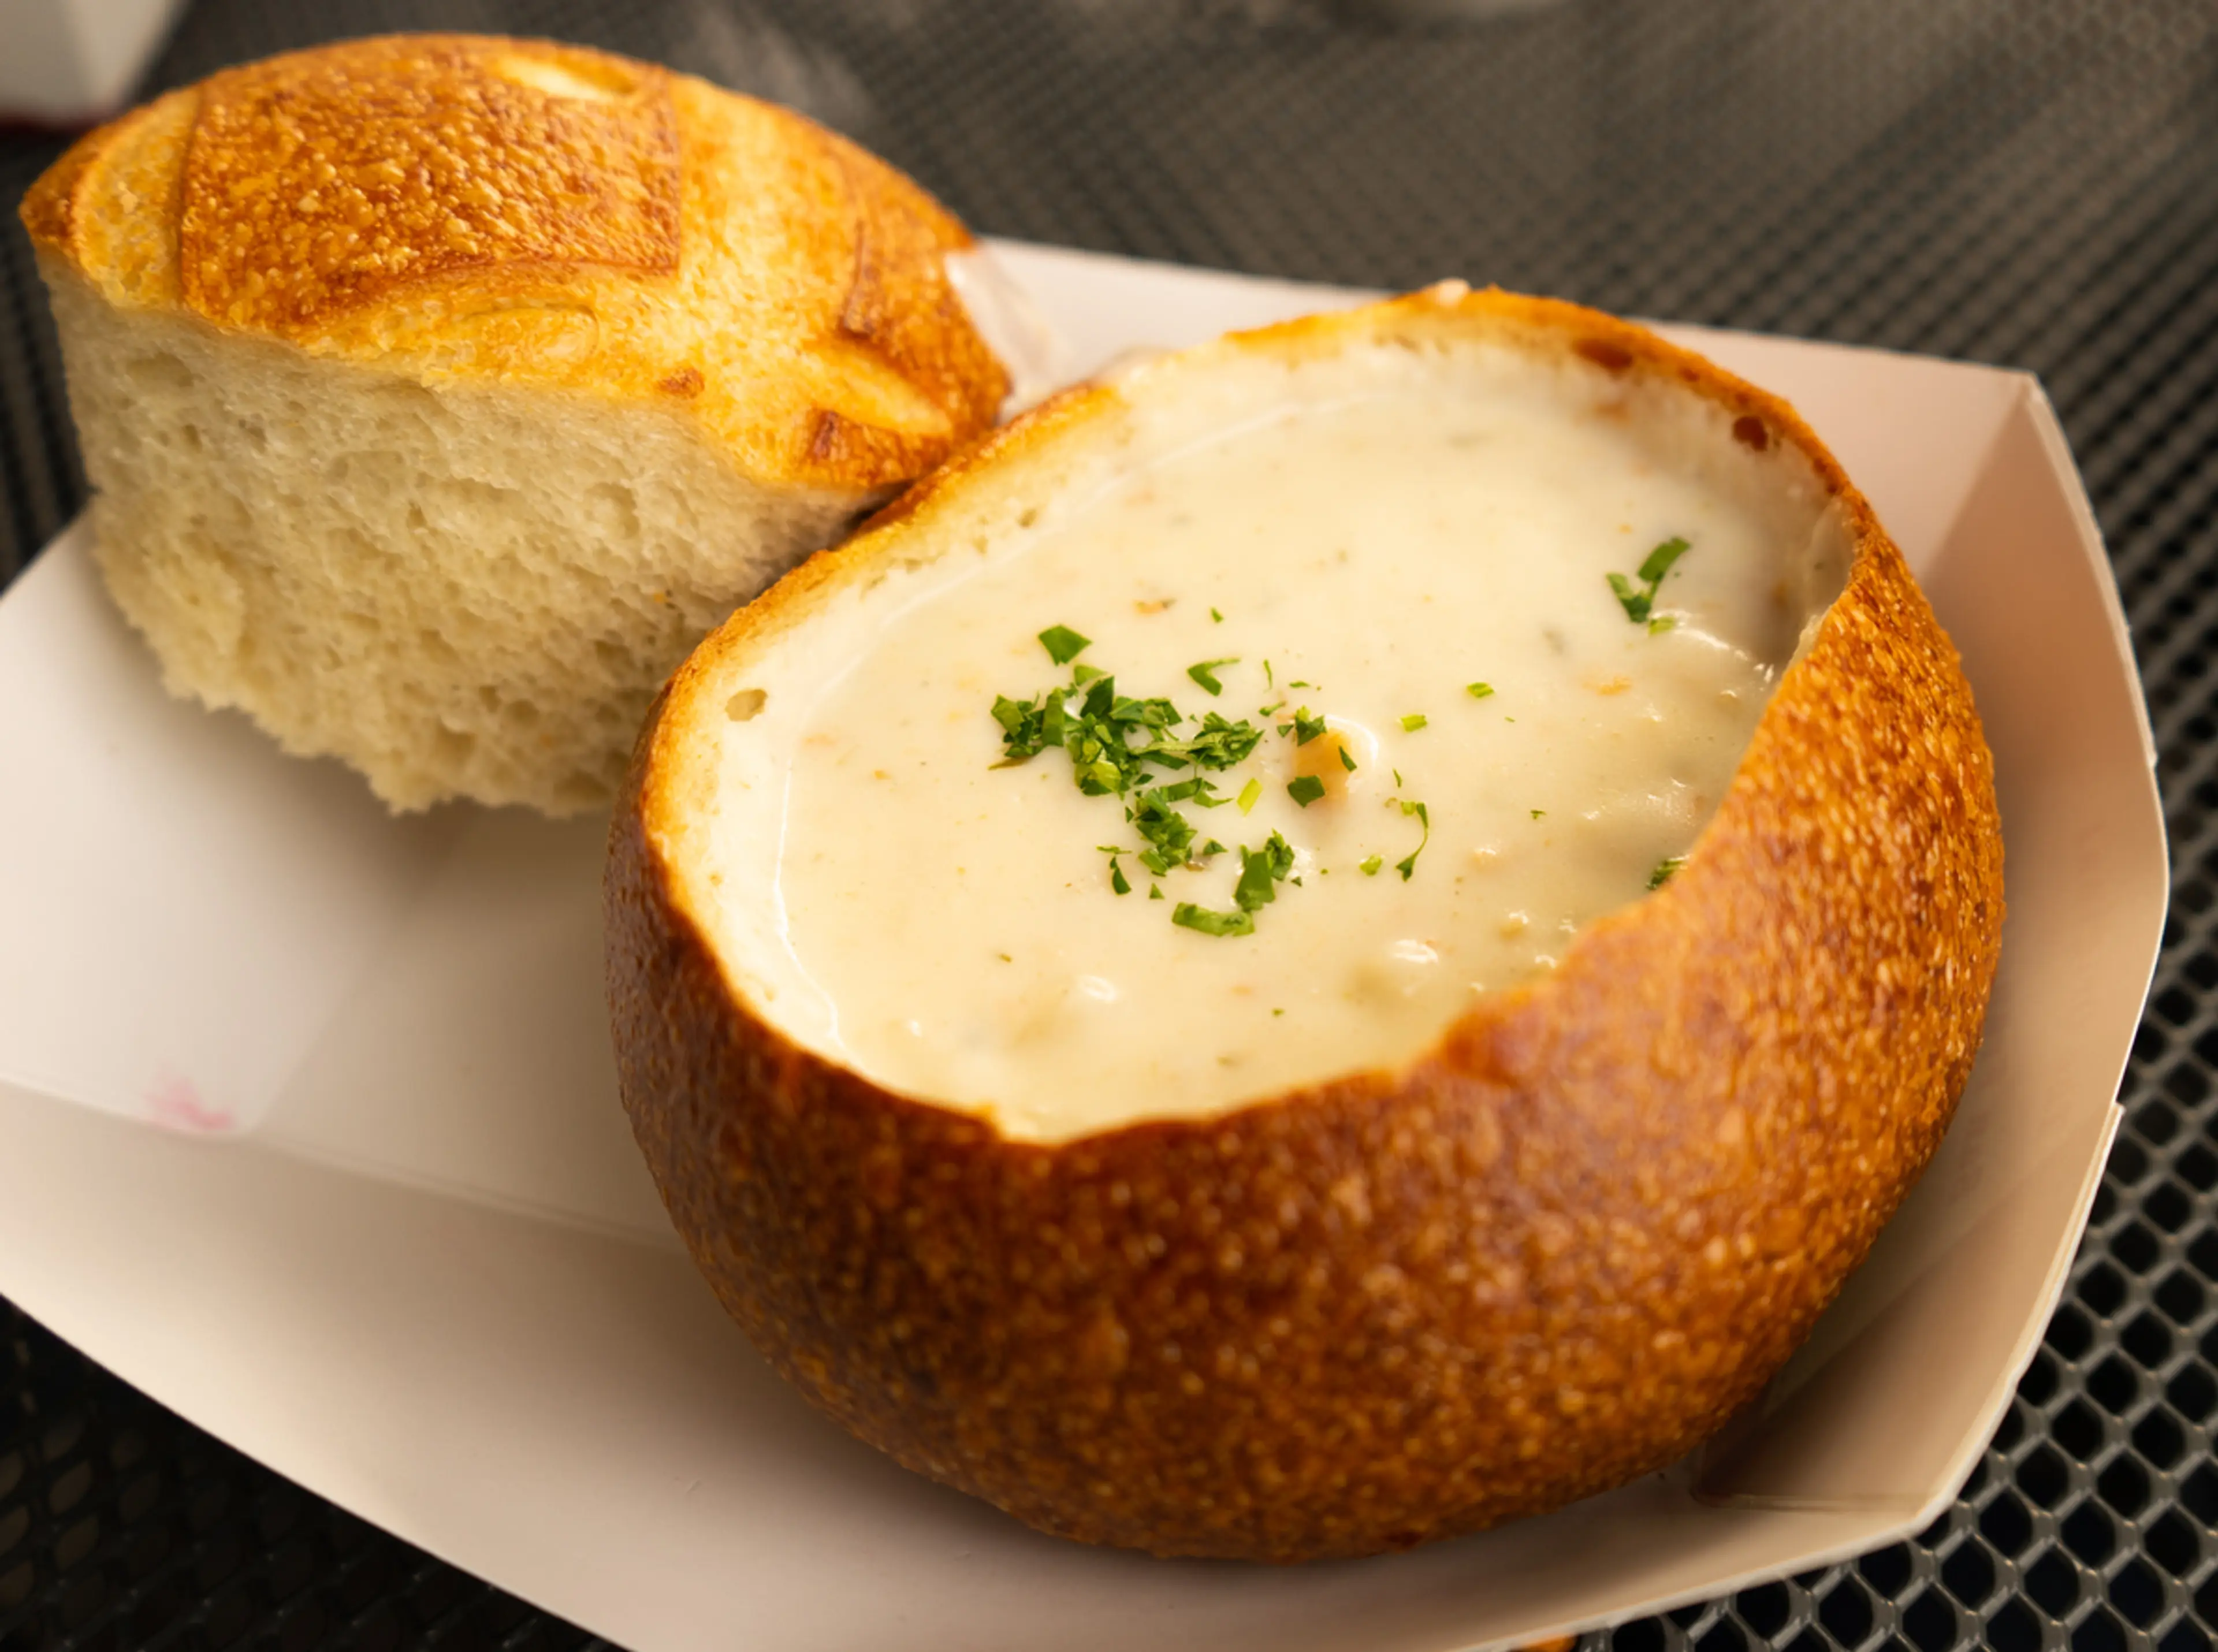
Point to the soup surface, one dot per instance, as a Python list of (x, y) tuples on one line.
[(1481, 668)]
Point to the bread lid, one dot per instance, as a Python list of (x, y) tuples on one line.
[(473, 208)]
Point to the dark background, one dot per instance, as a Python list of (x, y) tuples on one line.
[(2032, 184)]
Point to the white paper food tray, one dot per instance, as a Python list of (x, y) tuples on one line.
[(308, 1128)]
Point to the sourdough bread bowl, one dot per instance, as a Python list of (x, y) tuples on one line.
[(439, 391), (1554, 1226)]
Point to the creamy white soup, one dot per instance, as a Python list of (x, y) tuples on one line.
[(1482, 652)]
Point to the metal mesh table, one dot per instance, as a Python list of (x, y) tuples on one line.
[(2030, 184)]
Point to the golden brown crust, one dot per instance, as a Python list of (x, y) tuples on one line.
[(49, 208), (108, 210), (900, 308), (320, 181), (468, 207), (1550, 1256)]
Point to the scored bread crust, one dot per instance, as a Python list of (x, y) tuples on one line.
[(439, 391), (1552, 1253), (464, 206)]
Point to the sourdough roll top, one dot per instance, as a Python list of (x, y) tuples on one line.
[(439, 391), (469, 208)]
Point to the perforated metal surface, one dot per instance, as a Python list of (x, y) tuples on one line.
[(2035, 184)]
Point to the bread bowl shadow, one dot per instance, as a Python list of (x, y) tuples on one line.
[(1551, 1253)]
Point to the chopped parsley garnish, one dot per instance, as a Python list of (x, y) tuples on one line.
[(1260, 870), (1205, 673), (1409, 864), (1062, 644), (1218, 617), (1111, 737), (1638, 602), (1157, 759), (1167, 830), (1118, 746), (1537, 814), (1478, 691), (1024, 727), (1186, 915), (1665, 867), (1219, 746)]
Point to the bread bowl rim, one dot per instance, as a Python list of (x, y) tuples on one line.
[(666, 760)]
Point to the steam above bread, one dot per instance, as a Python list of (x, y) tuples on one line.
[(439, 391)]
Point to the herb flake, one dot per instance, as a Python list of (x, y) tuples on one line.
[(1205, 673), (1305, 789), (1260, 870), (1062, 644), (1407, 865), (1186, 915), (1638, 601)]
